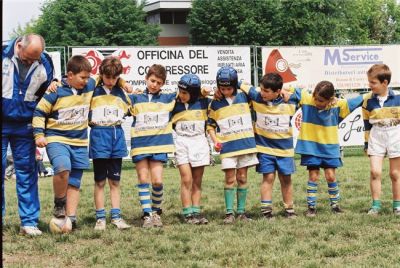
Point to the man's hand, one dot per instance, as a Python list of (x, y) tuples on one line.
[(41, 142), (53, 86)]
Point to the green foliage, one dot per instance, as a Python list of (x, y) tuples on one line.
[(352, 239), (301, 22), (95, 23)]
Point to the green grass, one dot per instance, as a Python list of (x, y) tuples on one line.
[(353, 239)]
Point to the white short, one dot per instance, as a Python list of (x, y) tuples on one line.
[(245, 160), (192, 150), (384, 141)]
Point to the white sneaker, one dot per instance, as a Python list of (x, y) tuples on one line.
[(100, 225), (30, 230), (120, 223)]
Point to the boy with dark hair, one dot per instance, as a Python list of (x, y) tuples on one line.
[(107, 146), (274, 139), (60, 124), (381, 110)]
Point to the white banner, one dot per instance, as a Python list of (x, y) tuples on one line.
[(346, 67), (351, 129), (56, 58), (203, 61)]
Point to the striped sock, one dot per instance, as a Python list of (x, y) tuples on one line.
[(312, 188), (241, 200), (100, 214), (333, 191), (187, 211), (266, 206), (157, 198), (115, 213), (229, 194), (144, 196)]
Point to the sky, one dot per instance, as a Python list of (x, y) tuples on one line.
[(18, 12)]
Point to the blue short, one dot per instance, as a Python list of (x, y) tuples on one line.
[(315, 162), (163, 157), (67, 157), (107, 168), (107, 142), (270, 164)]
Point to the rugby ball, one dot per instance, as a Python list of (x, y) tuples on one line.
[(60, 225)]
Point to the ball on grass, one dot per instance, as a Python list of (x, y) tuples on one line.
[(60, 225)]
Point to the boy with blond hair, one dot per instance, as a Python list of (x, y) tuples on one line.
[(381, 113)]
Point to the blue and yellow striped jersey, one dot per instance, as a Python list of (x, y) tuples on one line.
[(273, 128), (190, 119), (62, 116), (233, 125), (151, 130), (108, 107), (373, 113), (319, 128)]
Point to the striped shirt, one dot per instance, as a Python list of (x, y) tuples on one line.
[(319, 128), (151, 130), (374, 113), (233, 124), (273, 128), (189, 119), (62, 116)]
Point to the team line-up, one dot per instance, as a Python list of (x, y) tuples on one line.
[(249, 126)]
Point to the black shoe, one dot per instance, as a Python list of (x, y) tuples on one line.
[(311, 212), (290, 214), (336, 209), (190, 219), (200, 218), (267, 213)]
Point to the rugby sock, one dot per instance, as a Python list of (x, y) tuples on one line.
[(376, 204), (333, 191), (241, 200), (196, 210), (187, 211), (72, 218), (156, 198), (115, 213), (396, 204), (144, 196), (266, 206), (100, 214), (229, 194), (312, 188)]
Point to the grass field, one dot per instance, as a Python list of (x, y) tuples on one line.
[(353, 239)]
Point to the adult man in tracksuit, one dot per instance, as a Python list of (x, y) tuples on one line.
[(27, 71)]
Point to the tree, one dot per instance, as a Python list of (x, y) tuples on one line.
[(232, 22), (95, 23)]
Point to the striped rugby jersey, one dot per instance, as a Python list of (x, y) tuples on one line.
[(233, 124), (151, 130), (373, 113), (108, 107), (62, 116), (190, 120), (319, 128), (273, 128)]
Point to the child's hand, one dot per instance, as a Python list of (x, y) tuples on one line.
[(128, 88), (137, 91), (53, 86), (285, 95), (41, 142), (205, 91), (217, 147), (217, 94)]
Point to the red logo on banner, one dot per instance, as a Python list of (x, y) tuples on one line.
[(123, 55), (94, 59), (277, 64)]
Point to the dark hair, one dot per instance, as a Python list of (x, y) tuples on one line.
[(158, 70), (77, 64), (381, 72), (272, 81), (111, 66), (324, 89)]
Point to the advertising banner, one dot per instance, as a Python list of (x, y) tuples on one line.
[(345, 66)]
